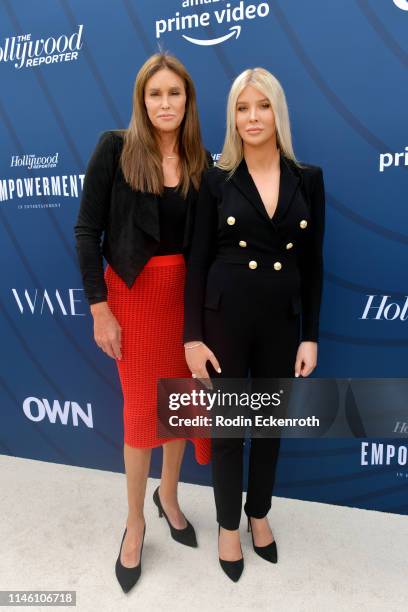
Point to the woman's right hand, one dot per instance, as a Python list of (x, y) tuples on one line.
[(107, 331), (197, 357)]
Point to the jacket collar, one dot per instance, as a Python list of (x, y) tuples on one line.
[(288, 185), (147, 214)]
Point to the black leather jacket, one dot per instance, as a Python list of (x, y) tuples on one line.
[(127, 219)]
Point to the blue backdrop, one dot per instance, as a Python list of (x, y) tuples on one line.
[(67, 70)]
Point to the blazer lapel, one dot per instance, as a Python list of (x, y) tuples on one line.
[(189, 221), (289, 182), (146, 208), (244, 182)]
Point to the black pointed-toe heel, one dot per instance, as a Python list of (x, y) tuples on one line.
[(268, 552), (233, 569), (128, 576), (184, 536)]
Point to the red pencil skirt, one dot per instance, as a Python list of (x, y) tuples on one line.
[(151, 316)]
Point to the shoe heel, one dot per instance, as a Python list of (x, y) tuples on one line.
[(183, 536), (268, 552), (156, 500)]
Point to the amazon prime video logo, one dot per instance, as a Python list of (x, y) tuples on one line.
[(402, 4), (226, 15)]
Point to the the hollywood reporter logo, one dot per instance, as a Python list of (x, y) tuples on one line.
[(31, 161), (28, 53), (380, 307)]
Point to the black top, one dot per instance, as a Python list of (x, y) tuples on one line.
[(172, 218)]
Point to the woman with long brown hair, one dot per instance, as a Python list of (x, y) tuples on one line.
[(140, 190)]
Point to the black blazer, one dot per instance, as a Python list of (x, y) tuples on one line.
[(128, 220), (232, 225)]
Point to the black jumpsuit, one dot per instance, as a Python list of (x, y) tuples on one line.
[(253, 292)]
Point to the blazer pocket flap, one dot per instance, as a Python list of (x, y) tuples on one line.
[(296, 305), (212, 298)]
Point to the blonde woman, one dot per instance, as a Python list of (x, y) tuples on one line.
[(253, 288), (140, 191)]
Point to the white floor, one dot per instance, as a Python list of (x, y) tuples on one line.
[(61, 528)]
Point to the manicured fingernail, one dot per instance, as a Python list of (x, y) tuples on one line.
[(297, 375), (219, 370)]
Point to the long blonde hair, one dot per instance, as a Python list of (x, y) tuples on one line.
[(268, 84), (141, 160)]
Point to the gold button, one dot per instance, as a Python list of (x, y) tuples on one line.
[(277, 265), (242, 243), (231, 220), (253, 265), (303, 223), (289, 245)]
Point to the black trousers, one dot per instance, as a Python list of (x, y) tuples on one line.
[(250, 326)]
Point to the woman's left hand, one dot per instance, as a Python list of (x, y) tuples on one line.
[(306, 359)]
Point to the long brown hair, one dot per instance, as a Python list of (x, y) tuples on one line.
[(141, 160)]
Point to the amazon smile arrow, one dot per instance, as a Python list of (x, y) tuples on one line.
[(234, 31)]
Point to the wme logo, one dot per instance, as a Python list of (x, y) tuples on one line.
[(39, 409), (38, 301)]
